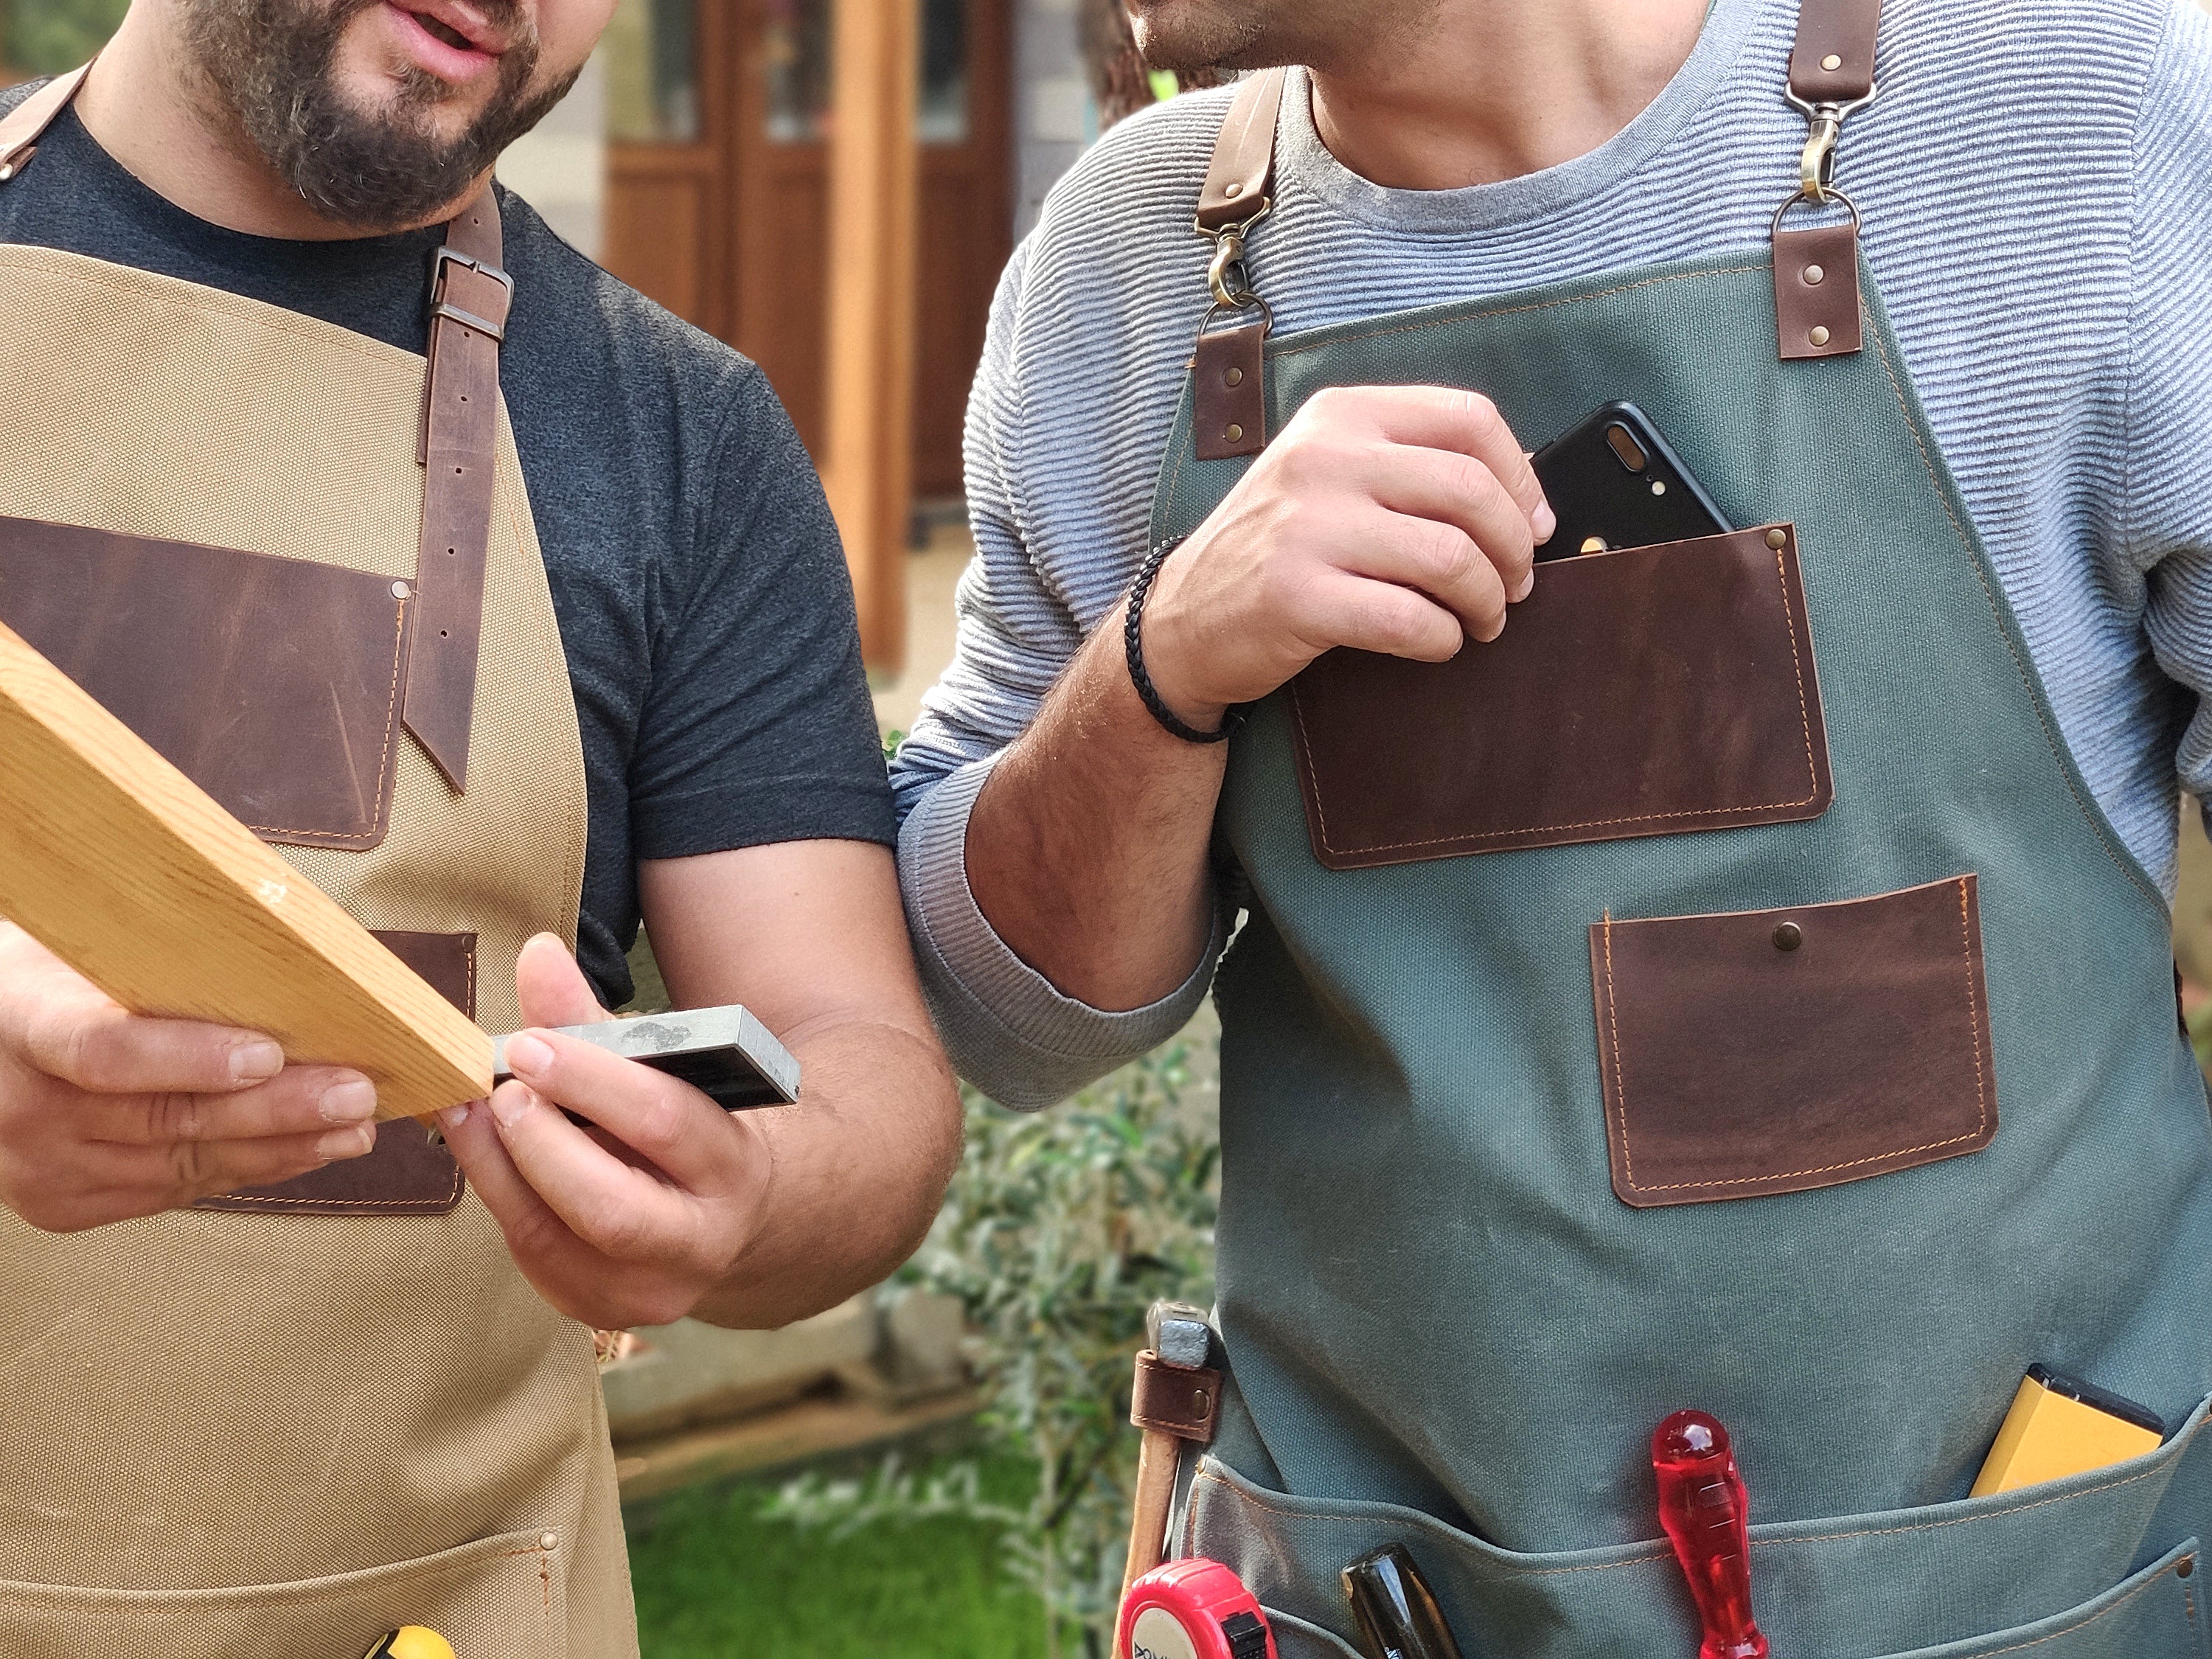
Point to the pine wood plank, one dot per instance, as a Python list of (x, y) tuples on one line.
[(132, 874)]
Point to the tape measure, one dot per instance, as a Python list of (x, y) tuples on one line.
[(410, 1642), (1192, 1609)]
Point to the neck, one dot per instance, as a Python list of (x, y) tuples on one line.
[(1492, 89), (147, 106)]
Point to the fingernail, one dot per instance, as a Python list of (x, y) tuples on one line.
[(526, 1055), (454, 1116), (1528, 586), (249, 1062), (508, 1105), (1543, 521), (349, 1102), (346, 1143)]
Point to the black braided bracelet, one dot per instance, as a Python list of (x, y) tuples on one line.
[(1132, 637)]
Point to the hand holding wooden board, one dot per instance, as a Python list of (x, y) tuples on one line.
[(129, 871)]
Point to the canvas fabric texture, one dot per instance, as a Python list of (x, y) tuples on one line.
[(1443, 1327), (212, 1414)]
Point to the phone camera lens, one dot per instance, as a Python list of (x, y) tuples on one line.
[(1619, 440)]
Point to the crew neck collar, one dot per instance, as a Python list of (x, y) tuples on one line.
[(1308, 164)]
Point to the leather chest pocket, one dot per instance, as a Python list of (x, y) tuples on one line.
[(405, 1173), (1642, 692), (1771, 1051), (272, 684)]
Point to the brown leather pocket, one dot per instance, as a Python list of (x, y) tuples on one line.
[(272, 684), (1770, 1051), (405, 1173), (1636, 693)]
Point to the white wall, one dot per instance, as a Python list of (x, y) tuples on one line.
[(1053, 116), (561, 169)]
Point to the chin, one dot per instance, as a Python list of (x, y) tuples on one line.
[(1187, 35)]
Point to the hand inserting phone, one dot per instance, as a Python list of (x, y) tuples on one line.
[(1613, 482)]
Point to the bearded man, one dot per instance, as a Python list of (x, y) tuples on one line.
[(503, 655), (1679, 967)]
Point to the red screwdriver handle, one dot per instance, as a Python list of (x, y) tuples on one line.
[(1707, 1514)]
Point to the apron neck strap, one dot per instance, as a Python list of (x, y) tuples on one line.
[(1243, 169), (1832, 61), (22, 127)]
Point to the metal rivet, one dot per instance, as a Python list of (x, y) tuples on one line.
[(1232, 190), (1198, 1402), (1233, 377), (1775, 538), (1819, 334), (401, 590), (1831, 62), (1789, 936), (549, 1540), (2184, 1566), (1235, 434), (1815, 275)]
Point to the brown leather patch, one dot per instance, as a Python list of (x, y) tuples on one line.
[(1843, 30), (1643, 692), (1816, 291), (1771, 1051), (406, 1173), (1229, 393), (1174, 1401), (272, 684)]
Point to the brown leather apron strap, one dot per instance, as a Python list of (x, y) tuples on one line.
[(22, 127), (470, 294), (1229, 403), (1816, 271)]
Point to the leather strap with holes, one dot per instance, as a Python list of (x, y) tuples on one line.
[(470, 296), (1229, 403)]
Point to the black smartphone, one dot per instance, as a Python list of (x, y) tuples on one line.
[(1613, 482)]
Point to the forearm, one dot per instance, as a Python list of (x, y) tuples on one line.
[(856, 1170), (1087, 849)]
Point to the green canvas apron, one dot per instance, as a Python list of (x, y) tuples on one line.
[(1901, 1068)]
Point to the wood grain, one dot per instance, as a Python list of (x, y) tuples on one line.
[(130, 872)]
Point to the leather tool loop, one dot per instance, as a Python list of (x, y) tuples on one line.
[(1816, 273), (470, 296), (1175, 1400)]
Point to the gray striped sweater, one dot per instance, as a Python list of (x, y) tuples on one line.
[(2036, 181)]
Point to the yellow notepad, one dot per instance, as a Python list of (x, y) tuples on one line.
[(2058, 1427)]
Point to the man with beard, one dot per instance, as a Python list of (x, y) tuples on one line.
[(1726, 973), (279, 1381)]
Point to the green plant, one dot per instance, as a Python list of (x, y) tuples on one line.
[(1059, 1231), (44, 37)]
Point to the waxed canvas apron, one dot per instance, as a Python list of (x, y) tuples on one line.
[(1599, 1045), (276, 1431)]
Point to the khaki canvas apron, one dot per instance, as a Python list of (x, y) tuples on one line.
[(278, 1430), (1721, 991)]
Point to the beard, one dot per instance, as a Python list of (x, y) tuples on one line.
[(270, 64), (1191, 36)]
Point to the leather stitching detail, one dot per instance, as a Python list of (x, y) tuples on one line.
[(1981, 1087), (1685, 815), (385, 770)]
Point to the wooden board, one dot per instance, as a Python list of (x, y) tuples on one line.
[(129, 871)]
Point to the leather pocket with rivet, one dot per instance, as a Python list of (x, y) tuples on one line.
[(1770, 1051)]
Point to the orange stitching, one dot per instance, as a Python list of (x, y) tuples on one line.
[(384, 771), (1981, 1087), (1620, 1081), (1805, 721), (2082, 1623)]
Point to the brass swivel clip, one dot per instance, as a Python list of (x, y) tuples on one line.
[(1230, 282), (1816, 163)]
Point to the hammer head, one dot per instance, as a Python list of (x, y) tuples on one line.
[(1179, 1334)]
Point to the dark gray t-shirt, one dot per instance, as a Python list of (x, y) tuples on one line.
[(703, 597)]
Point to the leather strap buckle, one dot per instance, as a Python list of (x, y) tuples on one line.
[(443, 255)]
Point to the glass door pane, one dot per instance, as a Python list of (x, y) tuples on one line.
[(652, 72)]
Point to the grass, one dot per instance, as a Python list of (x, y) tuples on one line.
[(715, 1581)]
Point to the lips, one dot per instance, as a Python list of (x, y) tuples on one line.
[(452, 24)]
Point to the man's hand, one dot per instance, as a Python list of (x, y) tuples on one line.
[(1391, 519), (105, 1115), (630, 1224)]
